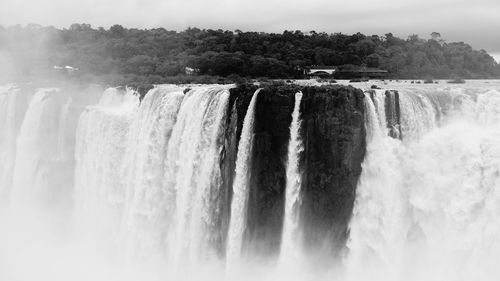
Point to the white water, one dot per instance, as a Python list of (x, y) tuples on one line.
[(192, 173), (146, 175), (144, 207), (145, 200), (426, 207), (237, 225), (62, 133), (101, 141), (9, 98), (145, 219), (37, 150), (290, 242)]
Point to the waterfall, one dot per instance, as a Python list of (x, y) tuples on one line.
[(392, 113), (9, 96), (145, 216), (290, 243), (193, 175), (62, 152), (375, 224), (237, 224), (100, 147), (37, 150), (418, 115), (378, 99), (163, 188), (424, 207)]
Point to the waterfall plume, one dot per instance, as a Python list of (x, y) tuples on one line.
[(290, 243), (239, 202)]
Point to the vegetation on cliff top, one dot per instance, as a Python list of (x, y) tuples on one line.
[(126, 56)]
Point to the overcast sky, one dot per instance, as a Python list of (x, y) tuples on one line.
[(476, 22)]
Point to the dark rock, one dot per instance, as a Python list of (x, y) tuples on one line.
[(271, 135), (393, 114), (227, 168), (334, 140), (333, 133)]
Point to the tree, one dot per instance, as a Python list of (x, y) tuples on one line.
[(117, 31), (373, 60), (435, 35), (155, 54)]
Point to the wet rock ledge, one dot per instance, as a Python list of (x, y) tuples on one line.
[(333, 134)]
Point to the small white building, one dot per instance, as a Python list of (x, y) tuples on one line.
[(67, 68), (191, 71), (320, 71)]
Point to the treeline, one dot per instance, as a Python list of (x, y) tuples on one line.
[(119, 55)]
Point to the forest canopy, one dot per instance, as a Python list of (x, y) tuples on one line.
[(121, 55)]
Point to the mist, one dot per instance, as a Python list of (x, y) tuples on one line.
[(185, 140), (84, 191)]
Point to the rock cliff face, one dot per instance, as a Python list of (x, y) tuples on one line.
[(227, 167), (333, 133), (334, 140), (393, 114), (268, 182)]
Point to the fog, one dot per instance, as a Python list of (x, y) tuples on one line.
[(81, 187), (72, 207)]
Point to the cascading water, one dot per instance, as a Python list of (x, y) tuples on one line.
[(376, 222), (239, 202), (63, 151), (418, 114), (153, 184), (192, 174), (424, 206), (146, 217), (34, 176), (9, 96), (290, 241), (100, 147)]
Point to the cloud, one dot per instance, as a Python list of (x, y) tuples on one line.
[(474, 22)]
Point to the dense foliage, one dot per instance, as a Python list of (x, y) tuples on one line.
[(119, 55)]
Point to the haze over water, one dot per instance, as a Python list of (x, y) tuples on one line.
[(121, 189)]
